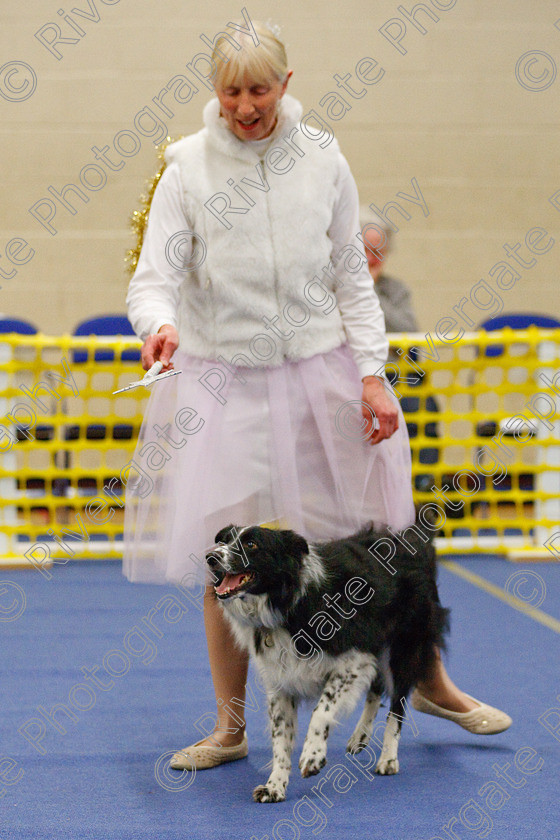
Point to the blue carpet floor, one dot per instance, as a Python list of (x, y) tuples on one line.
[(101, 680)]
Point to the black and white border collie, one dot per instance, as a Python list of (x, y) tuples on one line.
[(327, 620)]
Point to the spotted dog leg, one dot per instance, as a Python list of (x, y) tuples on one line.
[(364, 728), (403, 664), (388, 763), (344, 686), (283, 718)]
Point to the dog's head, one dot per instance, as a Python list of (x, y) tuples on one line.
[(255, 561)]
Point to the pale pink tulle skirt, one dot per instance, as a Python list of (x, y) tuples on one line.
[(287, 445)]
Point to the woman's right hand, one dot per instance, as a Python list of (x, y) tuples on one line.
[(160, 347)]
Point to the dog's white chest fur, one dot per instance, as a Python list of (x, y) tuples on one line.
[(280, 666), (283, 670)]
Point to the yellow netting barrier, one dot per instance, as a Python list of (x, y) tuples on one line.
[(483, 416), (484, 422)]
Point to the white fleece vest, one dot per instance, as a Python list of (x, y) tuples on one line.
[(253, 300)]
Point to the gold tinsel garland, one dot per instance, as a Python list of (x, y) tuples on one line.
[(139, 218)]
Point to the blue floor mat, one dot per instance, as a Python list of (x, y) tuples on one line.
[(102, 680)]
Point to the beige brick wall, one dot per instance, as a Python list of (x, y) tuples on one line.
[(449, 112)]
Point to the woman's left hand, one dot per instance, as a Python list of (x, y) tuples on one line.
[(376, 399)]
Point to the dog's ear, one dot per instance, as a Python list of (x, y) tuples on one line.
[(296, 545), (221, 535)]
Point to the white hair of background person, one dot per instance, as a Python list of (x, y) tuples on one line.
[(368, 217)]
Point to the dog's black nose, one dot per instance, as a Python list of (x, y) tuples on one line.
[(212, 560)]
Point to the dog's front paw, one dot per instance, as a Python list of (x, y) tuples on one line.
[(357, 742), (312, 766), (268, 793), (387, 766), (311, 762)]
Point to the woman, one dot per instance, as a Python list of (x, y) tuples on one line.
[(262, 425)]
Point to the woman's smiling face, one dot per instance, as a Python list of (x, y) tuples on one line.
[(250, 108)]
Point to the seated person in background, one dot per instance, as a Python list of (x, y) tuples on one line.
[(394, 297)]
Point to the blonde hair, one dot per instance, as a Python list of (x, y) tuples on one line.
[(236, 57)]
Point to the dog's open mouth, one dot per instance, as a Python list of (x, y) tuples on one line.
[(231, 584)]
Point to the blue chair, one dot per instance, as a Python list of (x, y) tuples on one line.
[(516, 321), (105, 325), (16, 325), (519, 321)]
